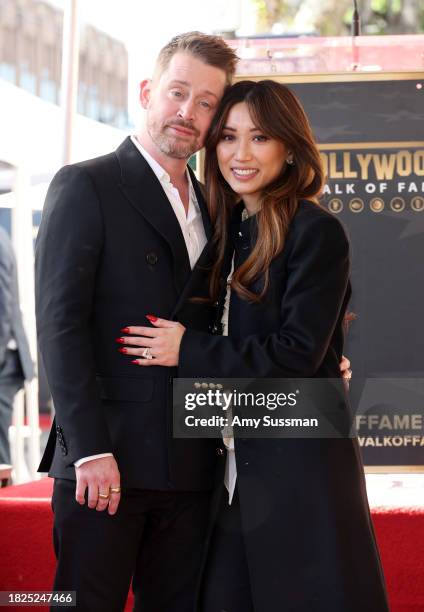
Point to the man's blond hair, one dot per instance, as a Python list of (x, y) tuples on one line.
[(212, 50)]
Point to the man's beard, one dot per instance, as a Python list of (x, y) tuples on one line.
[(171, 145)]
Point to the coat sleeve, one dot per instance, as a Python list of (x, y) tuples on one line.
[(317, 278), (6, 300), (68, 247)]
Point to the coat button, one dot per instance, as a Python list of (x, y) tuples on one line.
[(151, 258), (219, 452)]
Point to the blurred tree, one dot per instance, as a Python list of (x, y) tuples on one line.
[(333, 17), (271, 12), (399, 16)]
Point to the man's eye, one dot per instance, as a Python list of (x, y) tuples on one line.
[(176, 93)]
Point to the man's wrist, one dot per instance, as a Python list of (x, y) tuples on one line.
[(90, 458)]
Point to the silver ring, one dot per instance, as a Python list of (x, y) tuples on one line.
[(147, 354)]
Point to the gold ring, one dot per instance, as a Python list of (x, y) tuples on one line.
[(104, 495), (115, 489)]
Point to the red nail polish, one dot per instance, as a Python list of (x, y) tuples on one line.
[(151, 318), (121, 340), (134, 361), (125, 330), (123, 350)]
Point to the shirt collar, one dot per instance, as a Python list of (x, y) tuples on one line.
[(162, 174)]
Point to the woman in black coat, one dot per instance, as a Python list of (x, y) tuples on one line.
[(292, 529)]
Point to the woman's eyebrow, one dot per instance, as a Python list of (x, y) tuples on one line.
[(231, 129)]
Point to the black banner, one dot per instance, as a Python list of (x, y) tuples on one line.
[(371, 135)]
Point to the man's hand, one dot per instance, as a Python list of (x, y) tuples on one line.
[(101, 477)]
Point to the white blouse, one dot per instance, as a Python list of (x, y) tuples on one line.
[(230, 476)]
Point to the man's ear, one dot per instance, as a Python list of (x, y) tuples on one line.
[(145, 92)]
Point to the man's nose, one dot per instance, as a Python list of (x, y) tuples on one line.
[(187, 109)]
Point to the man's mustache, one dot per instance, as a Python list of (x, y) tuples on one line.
[(185, 124)]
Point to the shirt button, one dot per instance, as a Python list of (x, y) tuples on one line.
[(219, 452), (240, 235)]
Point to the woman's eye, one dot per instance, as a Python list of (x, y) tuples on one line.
[(261, 138), (205, 104), (227, 137)]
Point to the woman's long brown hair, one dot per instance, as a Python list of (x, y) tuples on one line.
[(276, 111)]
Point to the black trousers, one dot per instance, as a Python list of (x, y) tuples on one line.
[(156, 538), (225, 581)]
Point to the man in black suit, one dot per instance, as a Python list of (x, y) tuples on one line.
[(119, 239), (15, 359)]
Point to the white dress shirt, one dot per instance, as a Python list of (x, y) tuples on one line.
[(230, 476), (191, 227)]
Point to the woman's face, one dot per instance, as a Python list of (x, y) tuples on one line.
[(248, 159)]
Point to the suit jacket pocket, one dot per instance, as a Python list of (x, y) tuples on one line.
[(125, 389)]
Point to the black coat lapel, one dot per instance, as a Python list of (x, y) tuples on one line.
[(198, 282), (143, 190), (202, 205)]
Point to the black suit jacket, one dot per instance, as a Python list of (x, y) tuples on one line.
[(109, 251), (305, 519)]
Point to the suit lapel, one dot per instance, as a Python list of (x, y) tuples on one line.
[(197, 284), (202, 205), (142, 189), (196, 281)]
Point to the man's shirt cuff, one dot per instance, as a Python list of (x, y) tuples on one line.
[(85, 459)]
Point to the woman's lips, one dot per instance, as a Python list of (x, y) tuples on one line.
[(244, 174)]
